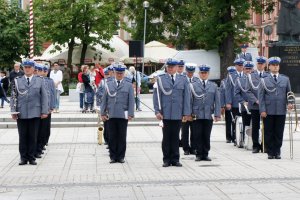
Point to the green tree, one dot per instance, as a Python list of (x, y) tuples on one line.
[(14, 33), (91, 21)]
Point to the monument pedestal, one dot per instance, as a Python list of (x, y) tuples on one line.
[(290, 63)]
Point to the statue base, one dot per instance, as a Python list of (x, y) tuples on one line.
[(290, 64)]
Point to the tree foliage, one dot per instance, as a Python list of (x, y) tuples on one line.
[(14, 33), (206, 24), (91, 21)]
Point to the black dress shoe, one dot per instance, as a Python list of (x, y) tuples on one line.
[(42, 152), (37, 156), (112, 161), (121, 161), (255, 150), (107, 147), (193, 152), (277, 157), (166, 164), (206, 158), (44, 148), (198, 159), (270, 157), (32, 162), (177, 164), (228, 141), (186, 152), (23, 162)]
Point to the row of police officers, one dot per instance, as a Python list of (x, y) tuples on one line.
[(255, 95), (32, 101)]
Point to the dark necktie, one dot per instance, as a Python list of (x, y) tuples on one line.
[(240, 75), (118, 83), (260, 75), (190, 80), (28, 81), (275, 78), (203, 82), (172, 76)]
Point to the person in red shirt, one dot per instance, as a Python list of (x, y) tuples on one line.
[(99, 74), (81, 92)]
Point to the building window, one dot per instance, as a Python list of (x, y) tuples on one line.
[(21, 4)]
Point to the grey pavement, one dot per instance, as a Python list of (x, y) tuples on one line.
[(75, 167)]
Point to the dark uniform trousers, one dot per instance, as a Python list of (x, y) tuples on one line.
[(28, 130), (170, 141), (202, 131), (228, 124), (273, 130), (105, 133), (48, 132), (42, 134), (255, 117), (117, 141), (187, 139)]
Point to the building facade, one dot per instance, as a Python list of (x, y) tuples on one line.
[(259, 22)]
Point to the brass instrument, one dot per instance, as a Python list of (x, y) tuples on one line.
[(100, 130), (291, 99)]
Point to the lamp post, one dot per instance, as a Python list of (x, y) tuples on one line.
[(146, 6)]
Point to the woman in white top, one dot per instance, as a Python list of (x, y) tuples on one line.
[(57, 77)]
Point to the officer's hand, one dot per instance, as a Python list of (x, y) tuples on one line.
[(43, 116), (14, 116), (184, 119), (104, 118), (228, 106), (130, 118), (257, 102), (263, 114), (290, 106), (216, 119), (190, 118), (159, 116)]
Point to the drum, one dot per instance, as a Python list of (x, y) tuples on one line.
[(239, 132), (248, 138)]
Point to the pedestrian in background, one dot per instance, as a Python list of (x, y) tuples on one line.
[(4, 88), (57, 76), (80, 88), (16, 72), (135, 76)]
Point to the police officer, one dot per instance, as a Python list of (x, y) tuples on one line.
[(254, 82), (240, 91), (180, 68), (171, 101), (232, 103), (244, 55), (118, 105), (29, 104), (228, 116), (272, 97), (187, 140), (206, 102)]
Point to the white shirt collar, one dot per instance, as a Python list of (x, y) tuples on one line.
[(174, 76), (30, 77), (262, 72), (275, 75), (203, 80)]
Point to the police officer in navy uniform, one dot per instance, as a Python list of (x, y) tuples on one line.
[(45, 124), (241, 89), (244, 55), (254, 82), (171, 101), (206, 102), (232, 103), (272, 97), (29, 104), (118, 106), (228, 116), (187, 139)]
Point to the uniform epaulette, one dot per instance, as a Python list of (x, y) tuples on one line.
[(128, 79), (108, 79), (161, 75)]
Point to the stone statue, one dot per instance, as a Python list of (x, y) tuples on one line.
[(288, 27)]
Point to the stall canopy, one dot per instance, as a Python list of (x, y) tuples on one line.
[(94, 54), (155, 52)]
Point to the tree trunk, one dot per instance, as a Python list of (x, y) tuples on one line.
[(226, 48), (71, 45), (83, 52)]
